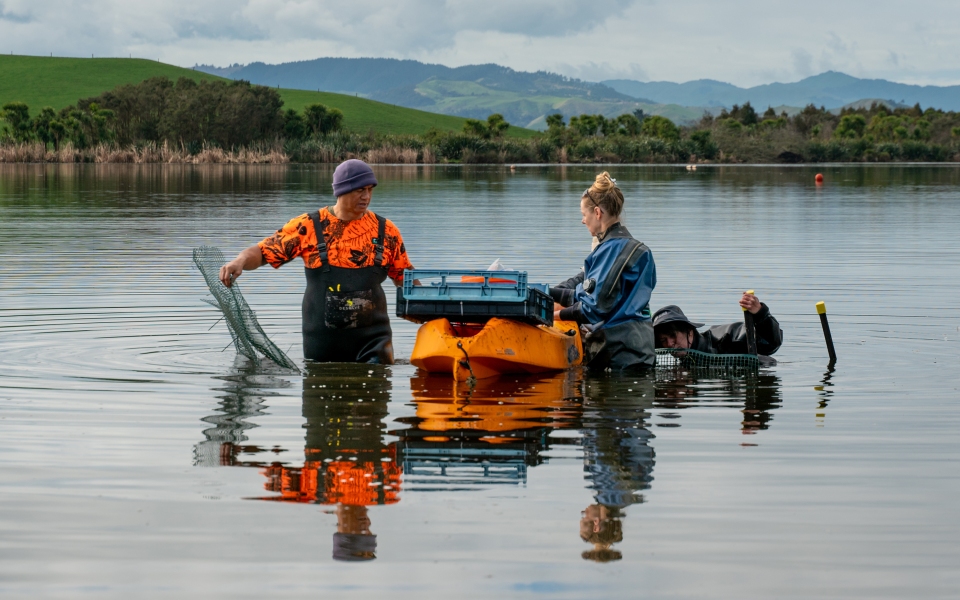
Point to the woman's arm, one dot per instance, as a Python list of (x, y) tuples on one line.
[(563, 292)]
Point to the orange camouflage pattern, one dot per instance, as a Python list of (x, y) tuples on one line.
[(349, 244), (367, 482)]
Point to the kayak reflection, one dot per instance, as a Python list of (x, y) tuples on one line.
[(463, 437)]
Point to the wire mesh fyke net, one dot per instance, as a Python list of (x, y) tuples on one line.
[(248, 336), (687, 359)]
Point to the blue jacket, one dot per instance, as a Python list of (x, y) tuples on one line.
[(616, 283)]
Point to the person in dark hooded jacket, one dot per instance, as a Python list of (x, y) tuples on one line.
[(673, 329), (610, 297)]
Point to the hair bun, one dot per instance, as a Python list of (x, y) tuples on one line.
[(605, 194), (603, 182)]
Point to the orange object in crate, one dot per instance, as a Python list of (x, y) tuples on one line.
[(479, 279)]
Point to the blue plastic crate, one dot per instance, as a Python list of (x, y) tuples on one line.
[(497, 294), (449, 286)]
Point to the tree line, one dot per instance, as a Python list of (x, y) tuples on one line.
[(187, 113), (815, 134), (192, 115)]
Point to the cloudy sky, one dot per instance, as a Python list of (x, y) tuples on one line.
[(745, 42)]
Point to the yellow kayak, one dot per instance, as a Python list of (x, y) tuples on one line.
[(497, 347)]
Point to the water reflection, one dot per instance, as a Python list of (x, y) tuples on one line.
[(824, 394), (617, 456), (462, 437), (243, 397), (82, 185), (755, 396), (346, 461)]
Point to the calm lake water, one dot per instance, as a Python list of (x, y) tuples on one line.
[(140, 458)]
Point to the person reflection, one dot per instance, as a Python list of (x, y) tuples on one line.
[(618, 458), (762, 395), (759, 394), (353, 540), (347, 462), (600, 525)]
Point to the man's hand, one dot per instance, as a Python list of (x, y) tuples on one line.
[(231, 271), (750, 302), (249, 259)]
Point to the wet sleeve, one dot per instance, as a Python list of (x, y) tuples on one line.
[(563, 292), (573, 313), (286, 244), (769, 334), (732, 337), (726, 339), (397, 259)]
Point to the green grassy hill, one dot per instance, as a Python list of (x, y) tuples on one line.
[(58, 82), (44, 81)]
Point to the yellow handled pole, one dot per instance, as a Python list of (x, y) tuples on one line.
[(751, 328), (822, 311)]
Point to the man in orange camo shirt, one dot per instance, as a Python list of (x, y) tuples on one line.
[(344, 307)]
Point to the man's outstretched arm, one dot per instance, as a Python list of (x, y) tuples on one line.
[(248, 260)]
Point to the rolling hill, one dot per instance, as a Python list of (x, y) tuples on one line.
[(58, 82)]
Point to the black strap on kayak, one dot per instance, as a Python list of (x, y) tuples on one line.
[(320, 228), (378, 241)]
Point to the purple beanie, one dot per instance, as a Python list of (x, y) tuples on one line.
[(352, 175)]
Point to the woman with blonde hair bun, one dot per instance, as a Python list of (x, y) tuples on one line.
[(610, 297)]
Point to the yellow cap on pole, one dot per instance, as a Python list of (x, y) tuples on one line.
[(821, 308), (746, 292)]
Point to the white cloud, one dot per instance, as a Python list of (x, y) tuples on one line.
[(745, 42)]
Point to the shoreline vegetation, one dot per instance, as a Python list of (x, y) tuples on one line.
[(219, 122)]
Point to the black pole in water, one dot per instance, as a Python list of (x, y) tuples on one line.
[(822, 311), (751, 328)]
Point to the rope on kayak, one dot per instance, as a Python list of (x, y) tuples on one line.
[(248, 337), (472, 380), (675, 359)]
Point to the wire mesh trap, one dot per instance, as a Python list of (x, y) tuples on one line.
[(248, 337), (677, 359)]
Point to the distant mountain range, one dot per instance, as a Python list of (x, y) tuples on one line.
[(526, 98), (830, 89), (473, 91)]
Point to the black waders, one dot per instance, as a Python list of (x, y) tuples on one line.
[(345, 310)]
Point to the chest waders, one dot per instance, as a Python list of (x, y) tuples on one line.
[(345, 310)]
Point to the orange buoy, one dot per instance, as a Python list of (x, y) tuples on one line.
[(819, 178)]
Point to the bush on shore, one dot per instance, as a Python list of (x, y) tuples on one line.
[(874, 134)]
